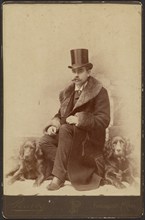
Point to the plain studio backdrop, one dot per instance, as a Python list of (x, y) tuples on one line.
[(37, 39)]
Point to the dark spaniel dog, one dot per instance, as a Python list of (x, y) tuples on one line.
[(32, 164), (118, 167)]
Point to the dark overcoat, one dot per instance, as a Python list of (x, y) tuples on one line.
[(86, 163)]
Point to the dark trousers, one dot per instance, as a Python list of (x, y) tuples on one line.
[(58, 148)]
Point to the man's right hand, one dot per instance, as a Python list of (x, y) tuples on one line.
[(51, 131)]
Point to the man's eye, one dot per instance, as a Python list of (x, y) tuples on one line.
[(80, 70)]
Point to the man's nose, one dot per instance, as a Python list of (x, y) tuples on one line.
[(76, 73)]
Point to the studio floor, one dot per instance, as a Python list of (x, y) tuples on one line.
[(26, 188)]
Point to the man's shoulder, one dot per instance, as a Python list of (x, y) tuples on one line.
[(96, 87), (97, 83), (94, 81), (66, 91)]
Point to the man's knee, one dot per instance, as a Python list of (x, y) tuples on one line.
[(47, 140), (48, 146)]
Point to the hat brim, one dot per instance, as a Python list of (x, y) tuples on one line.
[(76, 66)]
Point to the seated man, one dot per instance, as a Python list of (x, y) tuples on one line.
[(77, 131)]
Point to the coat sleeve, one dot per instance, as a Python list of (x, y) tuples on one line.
[(55, 121), (99, 118)]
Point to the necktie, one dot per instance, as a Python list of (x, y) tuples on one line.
[(77, 95)]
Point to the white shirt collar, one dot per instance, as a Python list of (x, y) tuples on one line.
[(82, 87)]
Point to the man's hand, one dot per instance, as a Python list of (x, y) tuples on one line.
[(72, 120), (51, 131)]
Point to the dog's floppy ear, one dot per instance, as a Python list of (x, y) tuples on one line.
[(128, 147), (108, 149), (38, 152), (25, 143), (21, 151)]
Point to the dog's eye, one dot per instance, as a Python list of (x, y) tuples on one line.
[(113, 146), (31, 148), (122, 142), (26, 146)]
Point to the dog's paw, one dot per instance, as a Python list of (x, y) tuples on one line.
[(7, 175), (36, 184), (11, 181), (120, 185), (22, 178), (134, 184)]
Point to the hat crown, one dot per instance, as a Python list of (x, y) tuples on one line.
[(79, 56)]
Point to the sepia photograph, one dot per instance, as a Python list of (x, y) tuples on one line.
[(72, 99)]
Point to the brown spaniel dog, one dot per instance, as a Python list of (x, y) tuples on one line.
[(32, 164), (118, 168)]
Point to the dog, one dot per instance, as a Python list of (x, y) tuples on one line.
[(118, 165), (32, 164)]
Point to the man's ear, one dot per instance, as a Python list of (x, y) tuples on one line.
[(89, 72)]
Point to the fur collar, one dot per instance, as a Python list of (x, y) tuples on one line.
[(91, 90)]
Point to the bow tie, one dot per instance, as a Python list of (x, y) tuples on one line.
[(77, 94)]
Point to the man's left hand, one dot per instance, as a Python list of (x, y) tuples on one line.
[(72, 120)]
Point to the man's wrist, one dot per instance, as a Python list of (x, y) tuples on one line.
[(76, 124)]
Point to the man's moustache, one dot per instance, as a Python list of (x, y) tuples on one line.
[(75, 79)]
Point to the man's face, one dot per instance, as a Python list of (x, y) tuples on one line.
[(80, 75)]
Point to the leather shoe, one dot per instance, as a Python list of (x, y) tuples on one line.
[(55, 184)]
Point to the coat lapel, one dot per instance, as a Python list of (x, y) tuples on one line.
[(91, 90), (65, 100)]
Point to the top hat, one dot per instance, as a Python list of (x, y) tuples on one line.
[(79, 58)]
